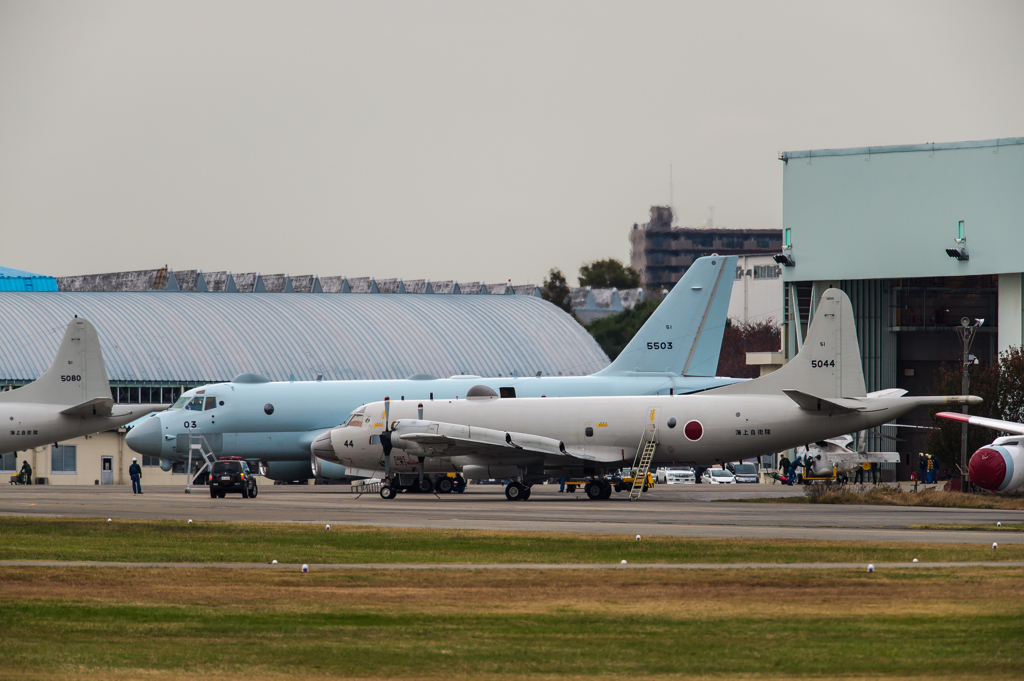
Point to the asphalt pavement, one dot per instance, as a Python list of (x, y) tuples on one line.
[(676, 510)]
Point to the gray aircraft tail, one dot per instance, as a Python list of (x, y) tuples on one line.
[(684, 335), (828, 365), (77, 376)]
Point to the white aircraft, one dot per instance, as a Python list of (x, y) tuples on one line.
[(833, 458), (70, 400), (818, 395), (998, 467)]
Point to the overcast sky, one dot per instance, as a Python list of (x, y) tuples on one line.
[(468, 140)]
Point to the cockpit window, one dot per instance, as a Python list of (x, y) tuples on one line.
[(355, 421), (211, 402), (196, 404), (180, 403)]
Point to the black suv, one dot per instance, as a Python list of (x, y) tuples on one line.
[(231, 474)]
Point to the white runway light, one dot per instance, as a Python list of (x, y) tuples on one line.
[(328, 527), (871, 567), (915, 560), (189, 521), (305, 568), (638, 537), (995, 545), (109, 520), (623, 562), (999, 524), (273, 562)]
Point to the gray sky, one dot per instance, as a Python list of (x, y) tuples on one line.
[(459, 140)]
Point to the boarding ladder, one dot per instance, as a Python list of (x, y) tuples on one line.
[(642, 460), (197, 444)]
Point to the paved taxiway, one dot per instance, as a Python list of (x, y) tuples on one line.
[(677, 510)]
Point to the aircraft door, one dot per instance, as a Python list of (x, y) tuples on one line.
[(585, 433), (107, 470)]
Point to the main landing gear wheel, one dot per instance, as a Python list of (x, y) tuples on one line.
[(514, 491), (387, 492), (594, 490), (444, 486)]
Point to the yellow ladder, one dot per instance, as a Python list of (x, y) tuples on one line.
[(642, 464)]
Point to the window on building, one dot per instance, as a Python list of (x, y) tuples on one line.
[(762, 242), (656, 258), (732, 242), (739, 273), (122, 395), (63, 459), (150, 460), (9, 462), (788, 238), (702, 241)]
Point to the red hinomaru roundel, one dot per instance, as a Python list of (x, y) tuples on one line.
[(693, 430)]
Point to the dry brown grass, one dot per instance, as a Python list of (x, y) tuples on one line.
[(707, 593), (893, 495)]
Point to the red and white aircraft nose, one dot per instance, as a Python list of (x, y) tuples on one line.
[(988, 468)]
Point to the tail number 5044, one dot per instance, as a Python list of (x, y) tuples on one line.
[(820, 363)]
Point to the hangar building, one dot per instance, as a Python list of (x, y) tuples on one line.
[(157, 343), (877, 222)]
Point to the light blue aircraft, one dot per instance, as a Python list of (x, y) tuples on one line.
[(273, 424)]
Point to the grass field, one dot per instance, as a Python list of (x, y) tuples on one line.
[(176, 541), (972, 527), (216, 623)]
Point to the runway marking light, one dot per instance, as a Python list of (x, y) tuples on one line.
[(189, 521), (305, 568), (871, 567), (915, 560), (999, 524), (273, 562), (109, 520), (995, 545), (328, 527), (638, 537), (623, 563)]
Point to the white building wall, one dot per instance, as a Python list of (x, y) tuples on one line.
[(754, 297)]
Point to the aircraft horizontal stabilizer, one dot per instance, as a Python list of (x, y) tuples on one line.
[(994, 424), (812, 403), (98, 406)]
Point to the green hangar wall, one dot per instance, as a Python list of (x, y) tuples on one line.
[(877, 222)]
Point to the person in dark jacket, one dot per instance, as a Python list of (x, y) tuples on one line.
[(922, 467), (135, 471), (875, 467), (784, 466), (26, 470), (794, 469)]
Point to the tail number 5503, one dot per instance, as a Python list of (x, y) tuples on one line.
[(660, 346)]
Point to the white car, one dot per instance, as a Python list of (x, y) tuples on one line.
[(680, 476), (745, 472), (717, 476)]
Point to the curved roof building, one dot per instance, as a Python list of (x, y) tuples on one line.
[(161, 338)]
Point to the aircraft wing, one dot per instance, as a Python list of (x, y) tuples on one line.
[(449, 439), (994, 424), (430, 438)]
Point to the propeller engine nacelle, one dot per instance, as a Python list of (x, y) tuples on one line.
[(998, 467)]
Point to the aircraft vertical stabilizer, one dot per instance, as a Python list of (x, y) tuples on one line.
[(684, 335), (829, 364), (77, 375)]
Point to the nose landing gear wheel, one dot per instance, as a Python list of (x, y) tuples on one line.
[(514, 491), (387, 492)]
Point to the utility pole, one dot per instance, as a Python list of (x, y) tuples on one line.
[(966, 332)]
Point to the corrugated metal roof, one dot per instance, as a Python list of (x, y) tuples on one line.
[(187, 338)]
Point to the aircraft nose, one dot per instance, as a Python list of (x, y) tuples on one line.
[(145, 438), (987, 468)]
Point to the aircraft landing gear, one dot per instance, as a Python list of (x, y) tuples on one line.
[(598, 489), (516, 491), (387, 492)]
